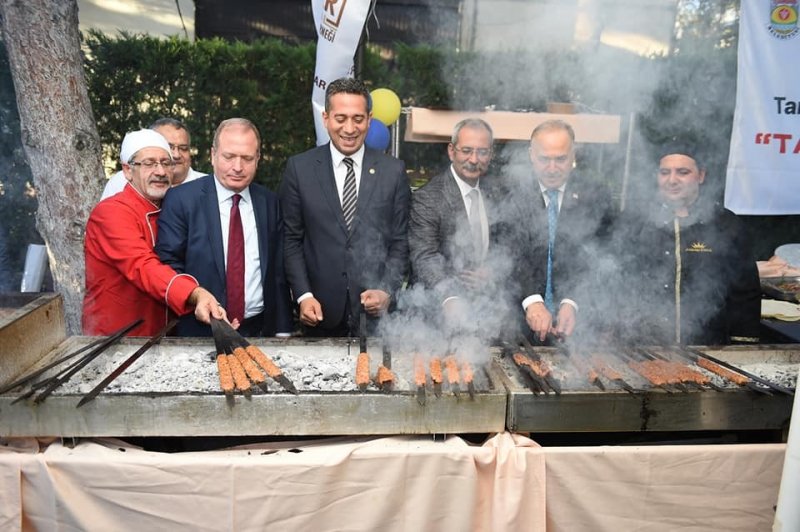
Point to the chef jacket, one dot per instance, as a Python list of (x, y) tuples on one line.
[(125, 280), (689, 280)]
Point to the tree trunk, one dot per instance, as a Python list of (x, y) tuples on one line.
[(59, 134)]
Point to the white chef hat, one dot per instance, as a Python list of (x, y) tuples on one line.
[(144, 138)]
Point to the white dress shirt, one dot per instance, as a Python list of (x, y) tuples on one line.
[(340, 169), (253, 291), (465, 189)]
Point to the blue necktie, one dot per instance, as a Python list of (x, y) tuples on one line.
[(552, 220)]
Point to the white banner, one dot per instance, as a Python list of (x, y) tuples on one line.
[(764, 160), (339, 25)]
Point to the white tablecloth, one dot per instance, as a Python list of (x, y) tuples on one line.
[(394, 484)]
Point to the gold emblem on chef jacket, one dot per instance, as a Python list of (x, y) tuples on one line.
[(699, 247)]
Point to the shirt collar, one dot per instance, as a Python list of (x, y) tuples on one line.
[(337, 156), (560, 189), (223, 194), (463, 186), (141, 197)]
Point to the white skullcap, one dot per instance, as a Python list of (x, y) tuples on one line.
[(144, 138)]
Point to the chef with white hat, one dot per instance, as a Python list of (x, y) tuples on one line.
[(125, 280), (147, 163)]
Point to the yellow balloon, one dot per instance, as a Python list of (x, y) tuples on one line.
[(385, 106)]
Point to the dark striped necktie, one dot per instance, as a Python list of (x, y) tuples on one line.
[(349, 196)]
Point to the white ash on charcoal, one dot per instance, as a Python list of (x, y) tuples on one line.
[(192, 370), (783, 374), (317, 369), (163, 369)]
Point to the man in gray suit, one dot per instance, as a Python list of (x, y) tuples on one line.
[(345, 211), (453, 225)]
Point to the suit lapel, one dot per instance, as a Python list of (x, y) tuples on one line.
[(262, 224), (452, 195), (367, 185), (211, 207), (571, 198), (572, 214), (327, 185)]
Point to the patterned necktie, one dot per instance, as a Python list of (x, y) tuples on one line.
[(235, 266), (475, 223), (552, 220), (349, 196)]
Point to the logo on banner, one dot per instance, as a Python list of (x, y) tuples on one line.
[(333, 12), (783, 19)]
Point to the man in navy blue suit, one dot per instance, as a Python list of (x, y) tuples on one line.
[(346, 213), (195, 235)]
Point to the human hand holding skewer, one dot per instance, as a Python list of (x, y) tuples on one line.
[(565, 321), (539, 319), (206, 305), (375, 301), (310, 312)]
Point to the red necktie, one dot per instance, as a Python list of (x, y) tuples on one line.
[(235, 267)]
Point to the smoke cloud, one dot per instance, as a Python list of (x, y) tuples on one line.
[(617, 58)]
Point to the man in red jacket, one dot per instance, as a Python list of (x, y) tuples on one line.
[(125, 280)]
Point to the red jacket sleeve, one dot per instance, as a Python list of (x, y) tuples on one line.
[(125, 238)]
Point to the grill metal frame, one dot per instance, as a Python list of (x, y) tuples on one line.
[(503, 401)]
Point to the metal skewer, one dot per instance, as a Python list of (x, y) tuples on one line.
[(88, 358), (127, 363), (233, 338), (535, 382), (40, 371), (756, 378), (549, 379)]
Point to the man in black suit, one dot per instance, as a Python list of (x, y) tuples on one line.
[(227, 232), (453, 228), (568, 223), (346, 213), (696, 280)]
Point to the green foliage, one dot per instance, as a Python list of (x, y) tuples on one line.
[(136, 79)]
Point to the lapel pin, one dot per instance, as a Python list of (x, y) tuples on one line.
[(371, 170), (574, 196)]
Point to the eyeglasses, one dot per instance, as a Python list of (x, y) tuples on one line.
[(183, 148), (467, 152), (149, 164)]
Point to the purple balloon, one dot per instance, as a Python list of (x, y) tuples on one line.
[(378, 136)]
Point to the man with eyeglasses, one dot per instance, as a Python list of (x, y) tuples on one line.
[(453, 227), (125, 280), (566, 223), (180, 148), (227, 231)]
